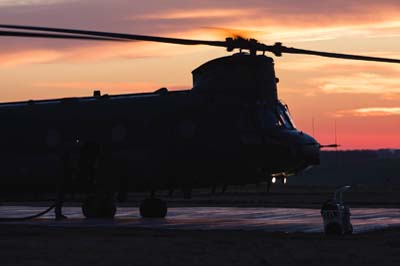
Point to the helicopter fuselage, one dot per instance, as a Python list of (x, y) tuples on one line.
[(161, 140)]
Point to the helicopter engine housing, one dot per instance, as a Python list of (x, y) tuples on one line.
[(249, 77)]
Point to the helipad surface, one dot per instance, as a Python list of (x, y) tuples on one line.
[(214, 218)]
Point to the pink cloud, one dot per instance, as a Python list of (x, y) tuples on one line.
[(19, 3)]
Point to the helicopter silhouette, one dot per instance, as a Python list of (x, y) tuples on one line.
[(230, 128)]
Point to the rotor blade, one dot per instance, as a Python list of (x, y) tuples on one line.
[(230, 43), (278, 49), (54, 36), (119, 35)]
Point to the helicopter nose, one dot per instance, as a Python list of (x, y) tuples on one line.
[(310, 149)]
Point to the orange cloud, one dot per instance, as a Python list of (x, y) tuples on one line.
[(370, 111), (314, 75), (115, 87), (368, 83), (199, 13), (30, 57), (294, 22), (95, 53)]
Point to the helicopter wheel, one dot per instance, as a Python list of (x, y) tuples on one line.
[(99, 207), (153, 208), (334, 229)]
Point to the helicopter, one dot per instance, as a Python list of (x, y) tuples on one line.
[(230, 128)]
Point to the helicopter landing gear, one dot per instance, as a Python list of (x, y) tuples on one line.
[(153, 208), (269, 183), (187, 193), (224, 188), (99, 206)]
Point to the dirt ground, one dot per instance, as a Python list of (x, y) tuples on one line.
[(22, 245)]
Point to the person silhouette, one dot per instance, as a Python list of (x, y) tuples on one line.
[(66, 175)]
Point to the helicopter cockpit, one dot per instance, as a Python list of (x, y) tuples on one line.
[(284, 116), (276, 116)]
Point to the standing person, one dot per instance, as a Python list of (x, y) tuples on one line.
[(65, 177)]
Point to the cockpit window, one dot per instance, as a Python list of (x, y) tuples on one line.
[(284, 115), (284, 120), (268, 118), (272, 118)]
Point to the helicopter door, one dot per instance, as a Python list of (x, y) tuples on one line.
[(249, 126), (247, 120)]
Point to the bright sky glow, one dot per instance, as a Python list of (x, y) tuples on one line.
[(363, 97)]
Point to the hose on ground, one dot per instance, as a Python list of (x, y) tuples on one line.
[(16, 219)]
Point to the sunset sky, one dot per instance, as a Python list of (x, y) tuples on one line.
[(362, 98)]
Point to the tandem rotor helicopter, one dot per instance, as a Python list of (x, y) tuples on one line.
[(230, 128)]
